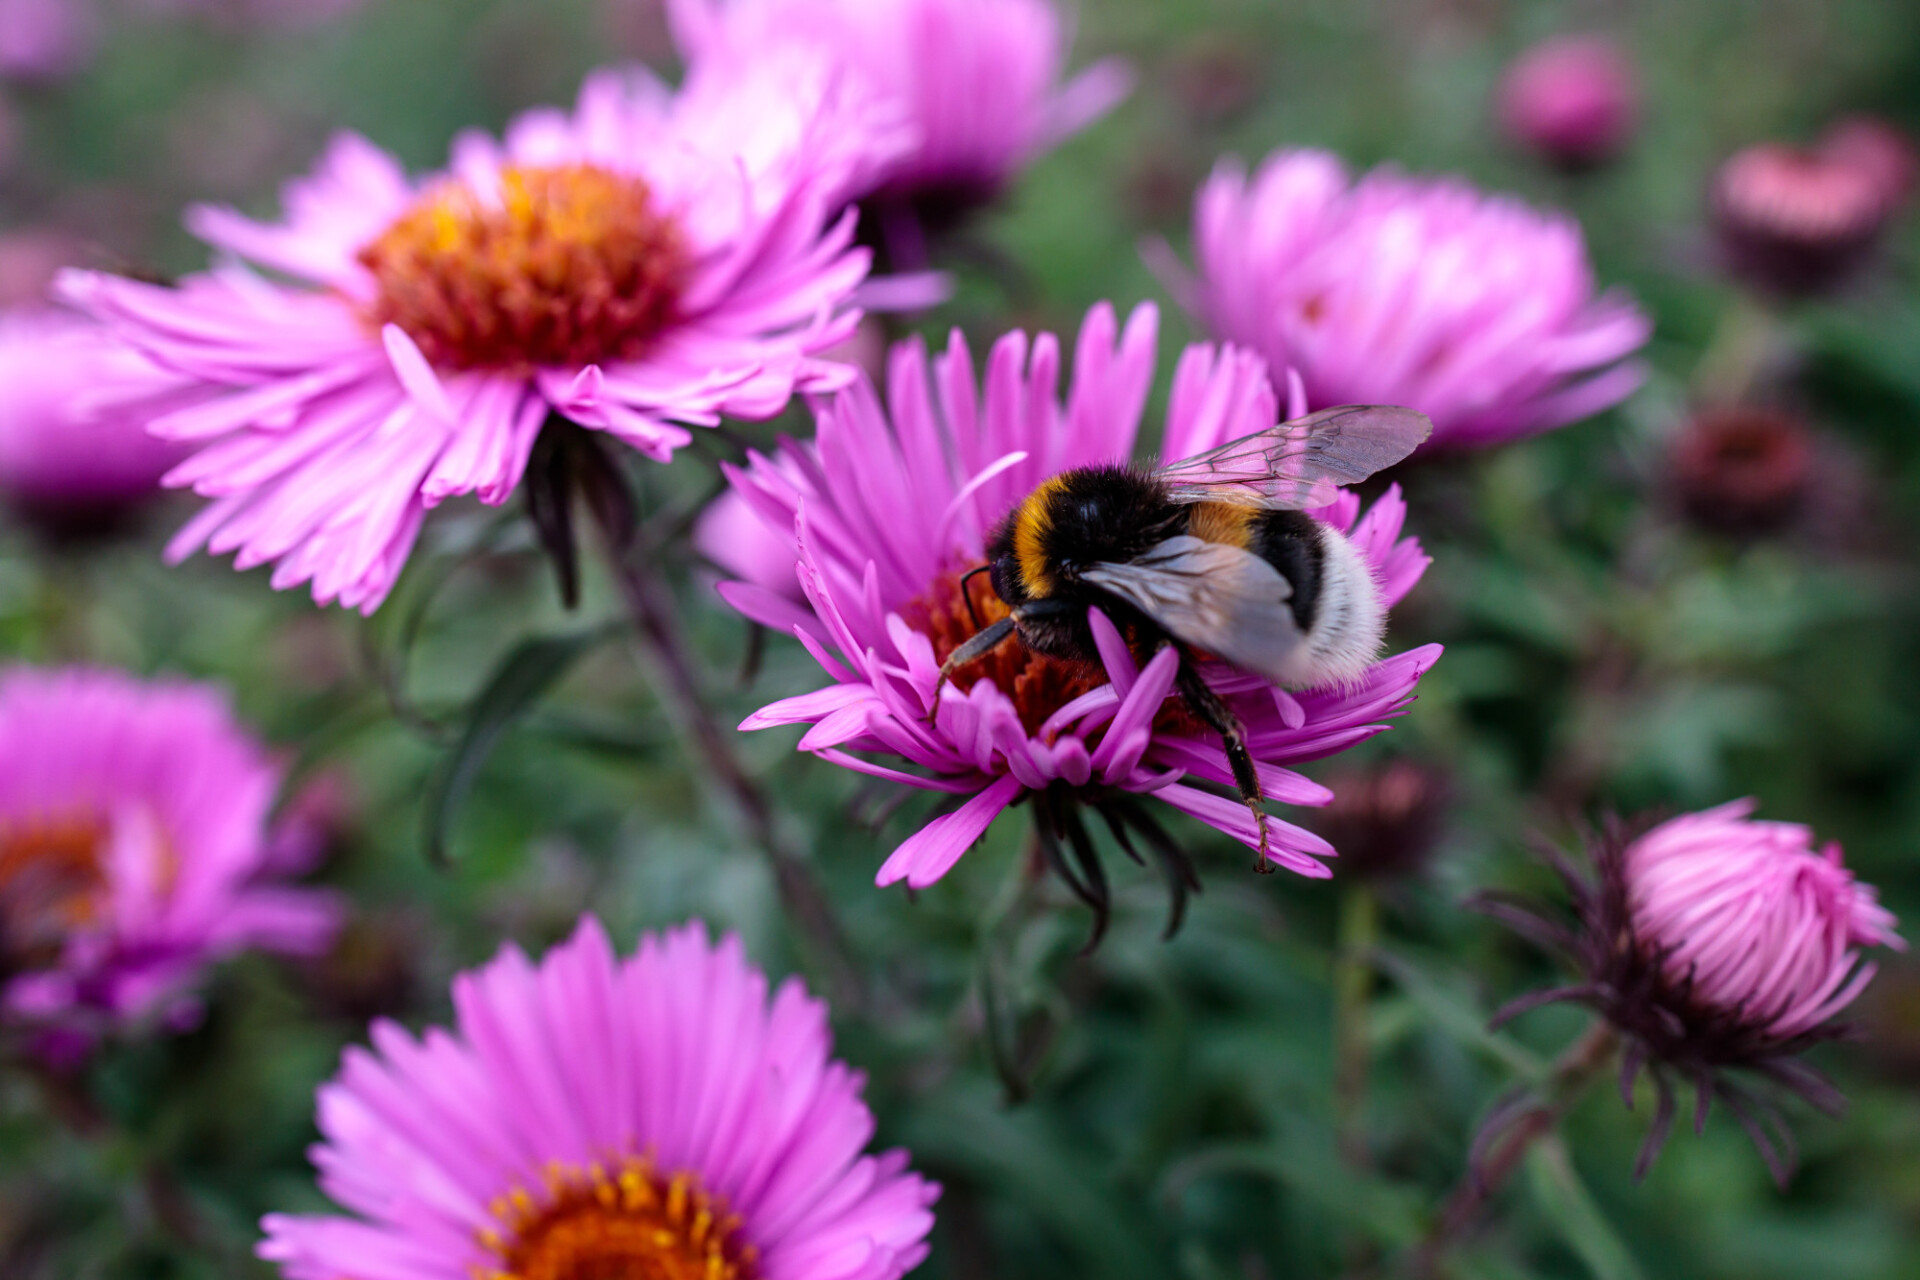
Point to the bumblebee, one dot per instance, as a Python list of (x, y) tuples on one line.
[(1214, 555)]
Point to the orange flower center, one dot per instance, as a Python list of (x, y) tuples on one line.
[(50, 882), (1038, 685), (565, 265), (625, 1223)]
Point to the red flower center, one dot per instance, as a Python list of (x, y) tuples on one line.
[(50, 881), (1038, 685), (625, 1223), (563, 266)]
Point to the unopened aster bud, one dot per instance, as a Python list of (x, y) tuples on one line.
[(1385, 820), (1742, 470), (1571, 100), (1715, 944), (1794, 221)]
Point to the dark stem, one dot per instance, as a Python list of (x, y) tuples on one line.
[(1352, 991), (1584, 1061), (650, 603)]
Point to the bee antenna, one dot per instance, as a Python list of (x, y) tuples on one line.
[(967, 594)]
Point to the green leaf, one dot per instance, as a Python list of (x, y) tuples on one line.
[(517, 683), (1454, 1017), (1304, 1161), (1019, 1156), (1567, 1203)]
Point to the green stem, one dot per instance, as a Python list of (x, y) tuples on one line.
[(1573, 1071), (651, 606), (1747, 339), (1359, 932)]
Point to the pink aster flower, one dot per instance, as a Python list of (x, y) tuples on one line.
[(1476, 310), (588, 1115), (651, 261), (66, 462), (892, 503), (1715, 943), (980, 80), (134, 850)]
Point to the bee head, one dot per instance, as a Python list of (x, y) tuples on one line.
[(1003, 571), (1010, 580)]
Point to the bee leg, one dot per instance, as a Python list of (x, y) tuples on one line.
[(978, 646), (1218, 716)]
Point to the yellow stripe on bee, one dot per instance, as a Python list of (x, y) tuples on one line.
[(1226, 522), (1030, 529)]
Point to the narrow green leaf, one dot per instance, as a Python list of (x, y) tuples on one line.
[(1304, 1161), (1456, 1018), (1567, 1203), (1023, 1161), (519, 681)]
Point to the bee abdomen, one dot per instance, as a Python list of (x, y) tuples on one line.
[(1295, 544)]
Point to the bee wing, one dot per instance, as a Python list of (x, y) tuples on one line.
[(1303, 463), (1215, 597)]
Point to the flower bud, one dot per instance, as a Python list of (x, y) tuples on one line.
[(1719, 948), (1793, 221), (1751, 927), (1386, 819), (1742, 470), (1571, 100)]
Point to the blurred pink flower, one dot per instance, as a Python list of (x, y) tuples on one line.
[(134, 850), (66, 462), (884, 511), (1878, 149), (45, 39), (652, 259), (594, 1116), (1477, 310), (286, 12), (1573, 100), (979, 79), (1713, 943), (1750, 922)]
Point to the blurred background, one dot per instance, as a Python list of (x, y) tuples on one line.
[(1635, 619)]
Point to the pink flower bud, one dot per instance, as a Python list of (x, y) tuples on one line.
[(1718, 948), (1795, 221), (1572, 100), (1750, 921)]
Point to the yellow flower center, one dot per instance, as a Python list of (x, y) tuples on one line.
[(625, 1223), (563, 266)]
